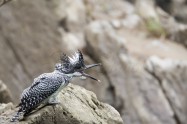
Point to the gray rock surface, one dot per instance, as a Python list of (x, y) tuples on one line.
[(164, 23), (172, 76), (121, 35), (77, 106), (5, 95), (137, 94), (27, 36), (176, 8), (96, 38)]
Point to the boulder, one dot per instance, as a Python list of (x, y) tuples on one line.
[(5, 95), (172, 76), (103, 90), (27, 36), (77, 106), (71, 14), (137, 93)]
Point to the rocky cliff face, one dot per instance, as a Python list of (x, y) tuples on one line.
[(5, 95), (122, 36), (77, 106)]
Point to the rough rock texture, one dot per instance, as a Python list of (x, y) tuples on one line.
[(102, 90), (96, 38), (121, 35), (27, 36), (77, 106), (5, 107), (137, 94), (180, 35), (177, 8), (164, 23), (172, 78), (5, 95)]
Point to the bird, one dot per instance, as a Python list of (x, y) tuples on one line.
[(46, 86)]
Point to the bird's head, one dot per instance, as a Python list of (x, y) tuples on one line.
[(74, 66)]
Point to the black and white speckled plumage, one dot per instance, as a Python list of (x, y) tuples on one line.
[(46, 86), (41, 90)]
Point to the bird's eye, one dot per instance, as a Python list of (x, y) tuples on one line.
[(77, 67)]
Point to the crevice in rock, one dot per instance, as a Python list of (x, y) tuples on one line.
[(166, 5), (120, 106), (175, 117), (93, 109), (110, 92), (17, 57), (55, 119), (63, 24)]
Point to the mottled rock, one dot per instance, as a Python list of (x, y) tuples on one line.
[(175, 30), (77, 106), (72, 20), (146, 99), (27, 36), (176, 8), (103, 89), (180, 34), (138, 95), (72, 41), (71, 14), (5, 95), (172, 76), (116, 37), (5, 107), (150, 17), (102, 40), (104, 10)]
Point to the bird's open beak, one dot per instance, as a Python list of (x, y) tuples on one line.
[(88, 67)]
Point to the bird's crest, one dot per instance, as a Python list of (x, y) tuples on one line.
[(71, 63)]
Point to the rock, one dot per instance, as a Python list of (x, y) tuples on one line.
[(72, 20), (175, 30), (137, 94), (77, 106), (5, 96), (146, 99), (104, 10), (130, 21), (5, 107), (180, 34), (73, 41), (150, 17), (143, 93), (102, 90), (160, 23), (71, 14), (149, 12), (102, 40), (166, 5), (36, 42), (177, 9), (172, 76)]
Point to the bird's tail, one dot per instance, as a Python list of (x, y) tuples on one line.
[(17, 117)]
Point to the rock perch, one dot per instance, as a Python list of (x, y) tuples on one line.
[(77, 106)]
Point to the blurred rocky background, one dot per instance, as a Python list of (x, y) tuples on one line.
[(142, 45)]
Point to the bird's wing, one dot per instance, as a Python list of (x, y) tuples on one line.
[(35, 82), (39, 79), (42, 88)]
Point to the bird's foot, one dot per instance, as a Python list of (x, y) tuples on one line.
[(53, 102)]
